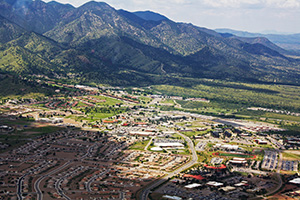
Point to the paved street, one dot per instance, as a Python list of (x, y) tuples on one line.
[(144, 194)]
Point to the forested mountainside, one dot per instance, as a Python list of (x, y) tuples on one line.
[(97, 43)]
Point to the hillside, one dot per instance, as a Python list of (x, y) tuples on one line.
[(287, 41), (97, 43)]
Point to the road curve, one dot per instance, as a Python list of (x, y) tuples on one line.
[(19, 186), (144, 194), (38, 181)]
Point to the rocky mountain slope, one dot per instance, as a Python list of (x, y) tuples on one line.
[(97, 43)]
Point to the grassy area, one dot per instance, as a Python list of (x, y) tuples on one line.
[(98, 116), (145, 100), (14, 88), (168, 101), (190, 133), (177, 136), (204, 156), (139, 145), (265, 146), (93, 114), (234, 155), (233, 96), (291, 156), (181, 152), (263, 114), (242, 173), (191, 104), (108, 101)]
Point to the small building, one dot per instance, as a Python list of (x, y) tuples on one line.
[(172, 197), (156, 149), (142, 133), (170, 145), (227, 146), (214, 184), (110, 121), (227, 134), (243, 183), (227, 188), (238, 161), (295, 181), (197, 177), (259, 141), (215, 134), (193, 186)]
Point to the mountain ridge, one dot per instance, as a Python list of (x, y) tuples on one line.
[(285, 41), (96, 42)]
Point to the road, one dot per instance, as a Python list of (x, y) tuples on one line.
[(88, 184), (20, 185), (59, 190), (278, 175), (247, 170), (146, 147), (144, 194), (279, 179), (38, 181)]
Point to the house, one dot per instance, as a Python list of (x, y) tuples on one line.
[(259, 141), (238, 161)]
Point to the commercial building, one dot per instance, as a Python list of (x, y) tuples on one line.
[(169, 145)]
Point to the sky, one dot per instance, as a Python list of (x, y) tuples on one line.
[(260, 16)]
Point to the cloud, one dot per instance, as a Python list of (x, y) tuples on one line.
[(288, 4), (248, 15)]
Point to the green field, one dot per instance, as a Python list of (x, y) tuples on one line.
[(108, 101), (291, 156), (233, 96), (235, 155), (139, 145)]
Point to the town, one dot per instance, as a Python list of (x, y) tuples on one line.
[(88, 142)]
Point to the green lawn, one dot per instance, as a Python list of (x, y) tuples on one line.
[(108, 101), (139, 145), (291, 156), (235, 155), (233, 96)]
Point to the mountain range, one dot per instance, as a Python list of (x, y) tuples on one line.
[(286, 41), (97, 43)]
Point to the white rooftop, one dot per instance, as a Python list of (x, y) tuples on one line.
[(194, 185), (295, 181), (169, 144), (214, 183), (156, 149), (172, 197)]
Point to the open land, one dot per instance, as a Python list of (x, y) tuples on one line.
[(160, 142)]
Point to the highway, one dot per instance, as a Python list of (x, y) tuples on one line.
[(144, 194)]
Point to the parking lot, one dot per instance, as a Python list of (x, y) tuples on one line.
[(289, 165), (201, 146), (270, 160), (216, 161)]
